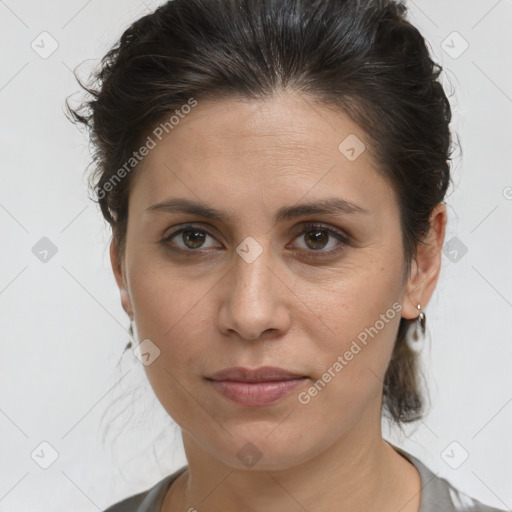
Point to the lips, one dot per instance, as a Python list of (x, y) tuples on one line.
[(256, 387), (262, 374)]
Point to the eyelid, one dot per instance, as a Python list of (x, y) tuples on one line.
[(331, 229)]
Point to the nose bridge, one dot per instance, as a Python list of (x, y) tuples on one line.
[(251, 304), (251, 274)]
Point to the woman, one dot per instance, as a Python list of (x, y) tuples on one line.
[(274, 174)]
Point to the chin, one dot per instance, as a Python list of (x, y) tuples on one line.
[(265, 449)]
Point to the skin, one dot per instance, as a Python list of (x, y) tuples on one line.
[(291, 307)]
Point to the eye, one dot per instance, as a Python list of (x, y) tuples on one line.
[(191, 237), (318, 237)]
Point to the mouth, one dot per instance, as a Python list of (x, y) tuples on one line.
[(256, 388), (262, 374)]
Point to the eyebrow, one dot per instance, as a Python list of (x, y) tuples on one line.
[(333, 205)]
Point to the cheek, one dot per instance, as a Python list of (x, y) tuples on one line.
[(165, 301), (351, 369), (352, 323), (171, 311), (350, 300)]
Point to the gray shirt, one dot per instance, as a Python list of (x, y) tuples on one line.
[(437, 494)]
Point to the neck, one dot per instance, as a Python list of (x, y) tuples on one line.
[(357, 473)]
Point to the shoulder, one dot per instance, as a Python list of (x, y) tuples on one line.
[(437, 493), (451, 499), (463, 502), (149, 500)]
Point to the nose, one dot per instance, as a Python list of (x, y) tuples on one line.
[(255, 299)]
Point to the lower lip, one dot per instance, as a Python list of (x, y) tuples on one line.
[(254, 394)]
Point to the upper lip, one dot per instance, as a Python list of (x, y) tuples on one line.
[(262, 374)]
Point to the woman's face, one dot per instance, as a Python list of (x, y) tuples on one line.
[(260, 288)]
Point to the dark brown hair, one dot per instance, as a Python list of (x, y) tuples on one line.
[(362, 57)]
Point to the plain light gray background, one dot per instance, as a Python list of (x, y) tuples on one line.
[(62, 326)]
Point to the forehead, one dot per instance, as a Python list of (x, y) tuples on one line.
[(285, 126), (279, 148)]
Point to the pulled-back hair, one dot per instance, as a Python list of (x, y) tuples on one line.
[(361, 57)]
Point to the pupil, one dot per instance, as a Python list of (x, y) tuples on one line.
[(315, 239), (196, 238)]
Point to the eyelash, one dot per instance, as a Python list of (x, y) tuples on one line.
[(339, 236)]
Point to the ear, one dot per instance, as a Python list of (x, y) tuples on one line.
[(426, 267), (117, 268)]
